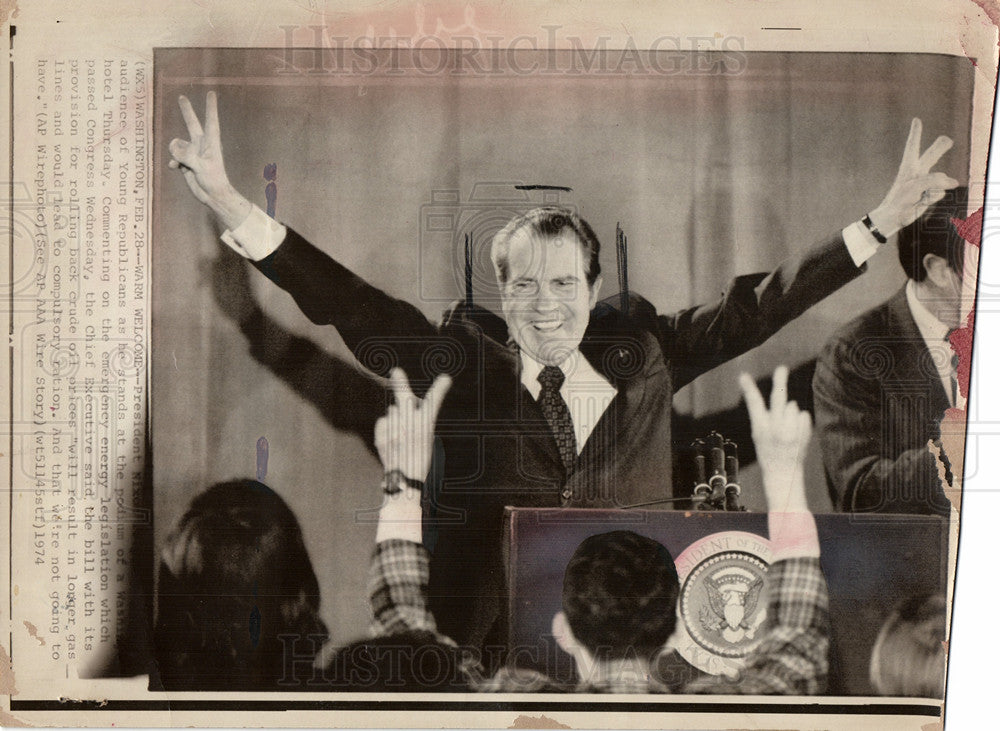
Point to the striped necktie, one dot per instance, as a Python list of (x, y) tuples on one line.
[(557, 413)]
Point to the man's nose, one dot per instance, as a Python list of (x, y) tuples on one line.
[(546, 299)]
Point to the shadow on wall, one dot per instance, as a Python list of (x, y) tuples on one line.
[(359, 399)]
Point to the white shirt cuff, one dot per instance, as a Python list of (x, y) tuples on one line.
[(401, 517), (257, 237), (793, 535), (861, 245)]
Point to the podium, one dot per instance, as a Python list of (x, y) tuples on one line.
[(871, 563)]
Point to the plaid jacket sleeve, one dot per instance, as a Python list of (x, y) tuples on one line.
[(792, 659), (397, 588)]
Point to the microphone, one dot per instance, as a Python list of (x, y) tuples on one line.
[(732, 473), (701, 488), (717, 480), (716, 474)]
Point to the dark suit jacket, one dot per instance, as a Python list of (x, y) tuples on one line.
[(878, 400), (498, 448)]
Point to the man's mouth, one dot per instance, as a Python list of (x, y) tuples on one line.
[(547, 325)]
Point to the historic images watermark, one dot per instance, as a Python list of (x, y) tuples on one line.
[(319, 50)]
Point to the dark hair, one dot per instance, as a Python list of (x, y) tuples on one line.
[(548, 221), (236, 587), (620, 595), (934, 233), (909, 656), (410, 662)]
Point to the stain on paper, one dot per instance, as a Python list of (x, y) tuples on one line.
[(9, 721), (8, 10), (7, 686), (991, 9), (539, 722), (33, 631)]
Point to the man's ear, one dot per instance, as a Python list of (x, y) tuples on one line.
[(562, 633), (504, 300), (938, 271), (595, 290)]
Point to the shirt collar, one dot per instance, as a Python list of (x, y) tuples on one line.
[(576, 368), (932, 329)]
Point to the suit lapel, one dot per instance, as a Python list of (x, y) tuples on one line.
[(621, 360), (521, 412), (918, 363)]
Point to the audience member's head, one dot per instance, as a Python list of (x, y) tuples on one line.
[(932, 253), (236, 587), (909, 655), (935, 234), (411, 662), (619, 600)]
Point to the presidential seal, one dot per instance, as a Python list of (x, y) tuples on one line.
[(722, 604)]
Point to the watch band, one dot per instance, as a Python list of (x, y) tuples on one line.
[(394, 481), (867, 221)]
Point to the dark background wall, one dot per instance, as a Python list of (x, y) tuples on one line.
[(710, 175)]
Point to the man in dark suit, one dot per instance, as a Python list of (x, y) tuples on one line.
[(573, 410), (885, 380)]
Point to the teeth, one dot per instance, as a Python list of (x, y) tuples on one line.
[(546, 326)]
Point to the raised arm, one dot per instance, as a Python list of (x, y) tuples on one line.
[(756, 306), (399, 573), (380, 330), (792, 657)]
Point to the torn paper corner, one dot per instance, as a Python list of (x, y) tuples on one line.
[(948, 456)]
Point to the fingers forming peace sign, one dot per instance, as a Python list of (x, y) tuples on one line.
[(404, 437)]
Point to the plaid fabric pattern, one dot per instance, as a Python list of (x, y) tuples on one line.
[(623, 684), (556, 412), (792, 658), (397, 588)]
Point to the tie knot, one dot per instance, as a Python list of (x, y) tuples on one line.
[(551, 378)]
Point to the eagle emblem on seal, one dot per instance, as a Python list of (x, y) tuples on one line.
[(733, 594), (723, 602)]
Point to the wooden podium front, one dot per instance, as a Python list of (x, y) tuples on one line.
[(871, 563)]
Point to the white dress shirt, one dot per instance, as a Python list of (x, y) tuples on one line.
[(586, 392), (935, 335)]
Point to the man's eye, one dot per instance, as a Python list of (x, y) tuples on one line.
[(523, 287)]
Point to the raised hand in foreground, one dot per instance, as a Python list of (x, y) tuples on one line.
[(404, 438), (200, 159), (780, 436)]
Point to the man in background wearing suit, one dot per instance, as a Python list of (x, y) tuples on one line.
[(574, 409), (885, 380)]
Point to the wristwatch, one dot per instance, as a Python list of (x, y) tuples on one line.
[(394, 481)]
